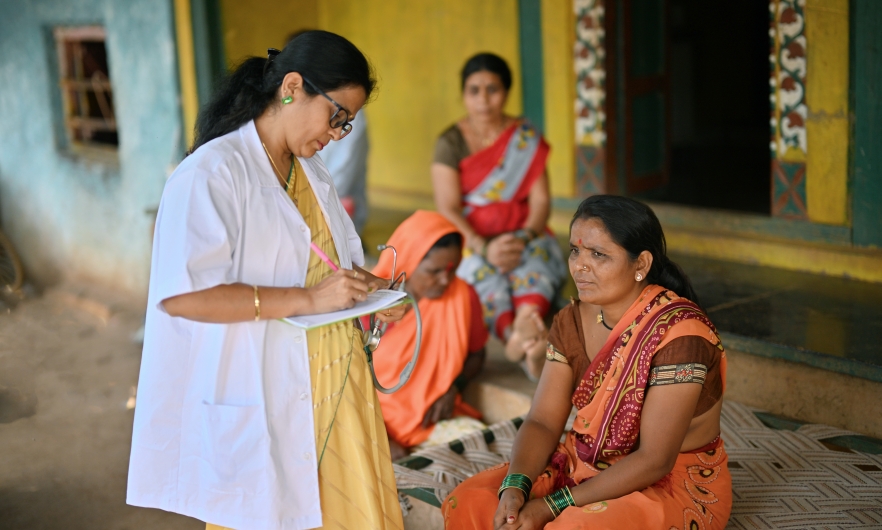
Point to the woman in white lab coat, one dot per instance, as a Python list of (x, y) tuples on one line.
[(244, 421)]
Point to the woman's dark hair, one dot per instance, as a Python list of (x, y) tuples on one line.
[(634, 227), (453, 239), (328, 60), (487, 62)]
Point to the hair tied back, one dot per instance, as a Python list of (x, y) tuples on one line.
[(270, 55), (330, 60)]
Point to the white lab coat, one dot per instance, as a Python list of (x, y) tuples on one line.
[(224, 428)]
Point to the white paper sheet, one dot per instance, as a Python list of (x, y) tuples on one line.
[(376, 301)]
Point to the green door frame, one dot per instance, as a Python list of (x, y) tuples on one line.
[(866, 116), (208, 46), (532, 73)]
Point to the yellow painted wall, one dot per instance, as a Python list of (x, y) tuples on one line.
[(250, 27), (827, 99), (559, 89), (418, 49), (186, 68)]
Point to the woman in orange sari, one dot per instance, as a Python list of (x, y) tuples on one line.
[(489, 179), (429, 409), (645, 371)]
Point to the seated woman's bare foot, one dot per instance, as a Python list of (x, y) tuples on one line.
[(526, 328)]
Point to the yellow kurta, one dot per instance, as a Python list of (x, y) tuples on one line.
[(356, 482)]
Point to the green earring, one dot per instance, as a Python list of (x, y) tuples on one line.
[(287, 99)]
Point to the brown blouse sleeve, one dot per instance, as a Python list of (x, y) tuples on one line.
[(690, 359), (566, 342), (450, 148)]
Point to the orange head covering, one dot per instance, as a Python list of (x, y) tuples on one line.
[(445, 335), (412, 239)]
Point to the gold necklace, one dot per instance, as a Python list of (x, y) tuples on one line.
[(292, 177), (487, 140)]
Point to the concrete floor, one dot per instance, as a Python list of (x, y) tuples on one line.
[(67, 368)]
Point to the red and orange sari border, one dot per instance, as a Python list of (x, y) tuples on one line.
[(624, 364)]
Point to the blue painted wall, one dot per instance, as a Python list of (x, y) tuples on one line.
[(66, 216)]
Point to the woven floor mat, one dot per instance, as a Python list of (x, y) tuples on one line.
[(781, 479)]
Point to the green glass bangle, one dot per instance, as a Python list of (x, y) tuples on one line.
[(519, 481), (569, 495), (551, 506), (560, 500)]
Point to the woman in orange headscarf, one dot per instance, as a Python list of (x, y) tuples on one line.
[(429, 409)]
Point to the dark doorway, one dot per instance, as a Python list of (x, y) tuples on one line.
[(719, 96)]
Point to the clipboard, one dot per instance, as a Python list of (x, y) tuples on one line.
[(376, 301)]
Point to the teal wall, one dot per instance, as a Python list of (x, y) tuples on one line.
[(68, 217)]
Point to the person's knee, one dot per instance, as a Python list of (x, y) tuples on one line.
[(466, 503)]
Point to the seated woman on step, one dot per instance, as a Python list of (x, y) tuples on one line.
[(429, 410), (489, 179), (645, 371)]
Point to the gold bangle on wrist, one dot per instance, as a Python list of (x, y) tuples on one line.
[(256, 304)]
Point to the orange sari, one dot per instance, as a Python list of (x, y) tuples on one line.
[(696, 494), (445, 336)]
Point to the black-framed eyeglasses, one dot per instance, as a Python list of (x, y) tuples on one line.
[(340, 119)]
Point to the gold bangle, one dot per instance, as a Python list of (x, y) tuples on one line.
[(256, 304)]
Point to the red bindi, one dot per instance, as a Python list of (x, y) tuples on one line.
[(449, 267), (580, 242)]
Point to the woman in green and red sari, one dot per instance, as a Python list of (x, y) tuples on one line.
[(645, 370), (490, 181)]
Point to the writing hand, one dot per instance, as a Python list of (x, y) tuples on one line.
[(341, 290)]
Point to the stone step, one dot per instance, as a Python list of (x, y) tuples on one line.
[(502, 391)]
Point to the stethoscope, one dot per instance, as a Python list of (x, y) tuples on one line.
[(375, 331)]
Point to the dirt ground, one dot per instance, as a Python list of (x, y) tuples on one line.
[(68, 367)]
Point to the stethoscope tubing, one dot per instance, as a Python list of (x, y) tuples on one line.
[(375, 332), (404, 377)]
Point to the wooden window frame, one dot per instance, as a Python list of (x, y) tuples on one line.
[(78, 124)]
